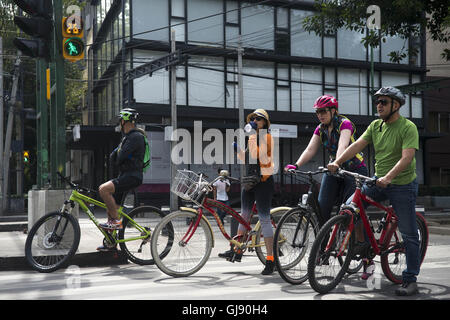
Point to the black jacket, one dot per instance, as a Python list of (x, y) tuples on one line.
[(129, 155)]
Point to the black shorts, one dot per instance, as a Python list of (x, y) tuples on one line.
[(122, 185)]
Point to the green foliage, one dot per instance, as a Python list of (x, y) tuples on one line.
[(403, 18)]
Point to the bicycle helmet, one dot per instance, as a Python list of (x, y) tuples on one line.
[(128, 114), (393, 93), (326, 101)]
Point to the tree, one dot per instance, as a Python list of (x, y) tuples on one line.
[(403, 18)]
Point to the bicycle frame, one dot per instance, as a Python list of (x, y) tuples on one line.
[(209, 205), (357, 204), (77, 197)]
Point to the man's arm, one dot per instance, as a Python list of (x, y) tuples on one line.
[(349, 153), (402, 164)]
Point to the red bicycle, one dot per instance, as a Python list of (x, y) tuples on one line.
[(333, 248), (188, 234)]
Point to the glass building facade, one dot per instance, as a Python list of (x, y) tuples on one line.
[(285, 68)]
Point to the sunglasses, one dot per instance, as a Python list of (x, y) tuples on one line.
[(257, 118), (383, 102), (321, 111)]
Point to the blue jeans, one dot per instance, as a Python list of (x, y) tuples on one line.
[(330, 188), (403, 200)]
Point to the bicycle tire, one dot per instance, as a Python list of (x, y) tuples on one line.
[(394, 262), (290, 251), (46, 249), (324, 266), (139, 251), (183, 259), (275, 216)]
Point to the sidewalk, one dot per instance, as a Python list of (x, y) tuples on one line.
[(13, 235)]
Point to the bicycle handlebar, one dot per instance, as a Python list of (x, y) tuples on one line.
[(74, 185), (367, 180), (308, 173)]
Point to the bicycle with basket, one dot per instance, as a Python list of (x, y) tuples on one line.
[(191, 231)]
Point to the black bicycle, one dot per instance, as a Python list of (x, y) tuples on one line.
[(297, 230)]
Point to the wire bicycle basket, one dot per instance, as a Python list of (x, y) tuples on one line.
[(188, 185)]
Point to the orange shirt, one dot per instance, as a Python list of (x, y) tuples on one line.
[(263, 152)]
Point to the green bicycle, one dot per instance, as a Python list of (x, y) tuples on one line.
[(54, 238)]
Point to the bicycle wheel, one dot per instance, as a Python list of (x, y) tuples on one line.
[(189, 245), (292, 244), (394, 262), (52, 241), (138, 251), (260, 246), (332, 243)]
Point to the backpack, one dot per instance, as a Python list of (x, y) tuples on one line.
[(147, 158)]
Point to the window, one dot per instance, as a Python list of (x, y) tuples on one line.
[(282, 44), (350, 46), (149, 15), (394, 43), (154, 89), (259, 89), (303, 44), (178, 8), (209, 30), (352, 88), (283, 95), (306, 86), (257, 26), (206, 87), (329, 46), (443, 122)]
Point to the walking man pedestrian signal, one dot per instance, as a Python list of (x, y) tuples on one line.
[(73, 44)]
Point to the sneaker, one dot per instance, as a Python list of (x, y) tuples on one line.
[(227, 254), (369, 269), (112, 224), (235, 257), (104, 248), (407, 289), (270, 266)]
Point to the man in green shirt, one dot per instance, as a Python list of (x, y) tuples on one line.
[(395, 140)]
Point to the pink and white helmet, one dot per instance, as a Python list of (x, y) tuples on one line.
[(326, 101)]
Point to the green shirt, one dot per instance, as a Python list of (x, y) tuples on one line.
[(389, 143)]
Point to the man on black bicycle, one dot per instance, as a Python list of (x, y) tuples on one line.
[(129, 158), (395, 140)]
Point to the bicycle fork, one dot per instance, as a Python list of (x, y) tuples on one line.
[(347, 236), (191, 230)]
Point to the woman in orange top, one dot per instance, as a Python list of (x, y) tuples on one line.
[(260, 155)]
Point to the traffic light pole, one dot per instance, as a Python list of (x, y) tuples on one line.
[(58, 108)]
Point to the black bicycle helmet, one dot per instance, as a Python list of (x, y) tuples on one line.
[(394, 94)]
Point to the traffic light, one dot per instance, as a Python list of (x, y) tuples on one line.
[(39, 26), (73, 43), (26, 156)]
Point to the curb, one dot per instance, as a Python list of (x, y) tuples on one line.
[(91, 259)]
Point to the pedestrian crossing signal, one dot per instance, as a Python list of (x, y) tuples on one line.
[(73, 43), (26, 156)]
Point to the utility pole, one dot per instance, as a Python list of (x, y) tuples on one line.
[(241, 94), (9, 129), (1, 126), (173, 115)]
